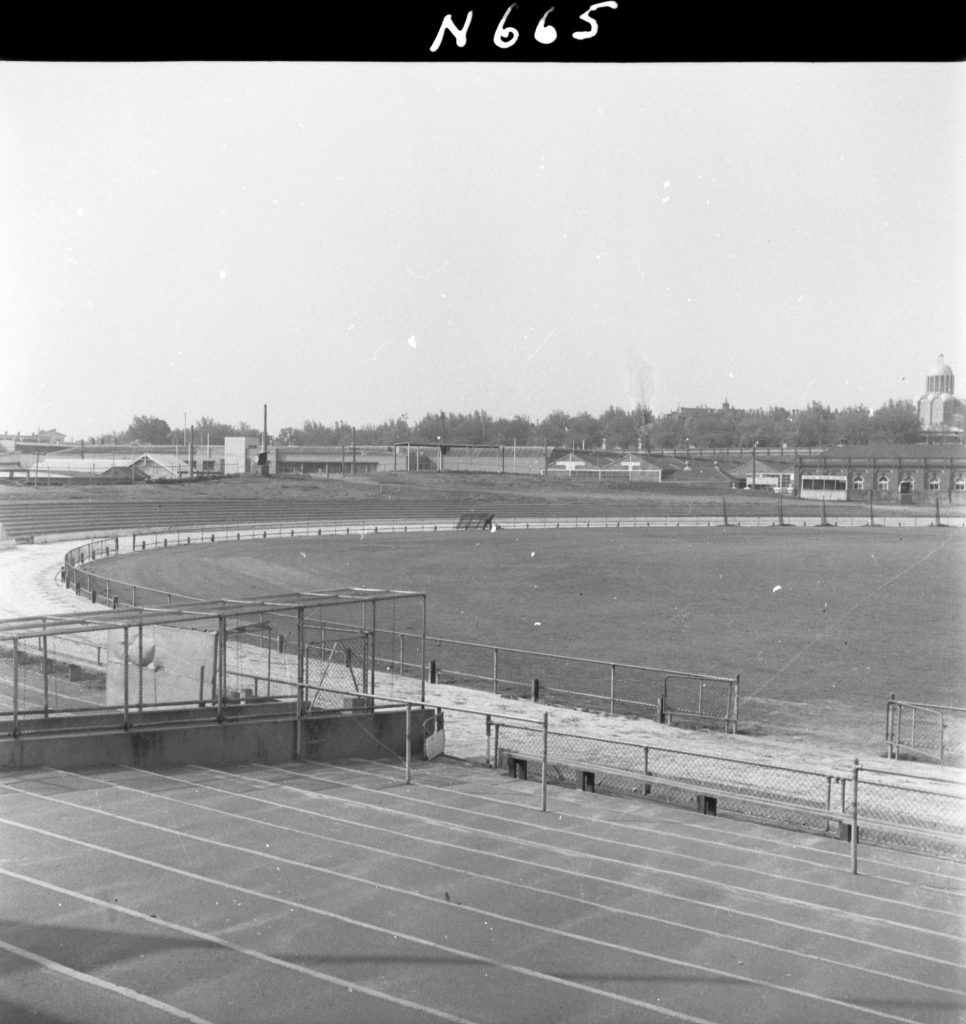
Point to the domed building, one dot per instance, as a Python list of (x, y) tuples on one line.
[(941, 413)]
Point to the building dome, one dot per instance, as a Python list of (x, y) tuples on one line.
[(940, 379), (940, 367)]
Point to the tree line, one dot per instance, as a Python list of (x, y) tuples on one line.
[(896, 422)]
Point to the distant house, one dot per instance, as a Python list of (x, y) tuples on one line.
[(907, 474), (60, 469), (760, 475), (161, 467), (10, 466), (51, 436)]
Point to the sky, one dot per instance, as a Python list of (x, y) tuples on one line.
[(362, 241)]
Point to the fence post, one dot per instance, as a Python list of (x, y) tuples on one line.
[(268, 666), (543, 763), (855, 817), (220, 680), (496, 744), (409, 742), (613, 686), (300, 650), (535, 691), (141, 668), (16, 686), (124, 654), (46, 676), (298, 723), (496, 676), (372, 661), (735, 692)]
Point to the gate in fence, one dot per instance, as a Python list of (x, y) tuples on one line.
[(932, 731), (337, 671)]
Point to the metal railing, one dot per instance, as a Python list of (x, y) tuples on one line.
[(666, 695), (662, 693), (222, 667), (933, 731), (862, 805), (58, 671)]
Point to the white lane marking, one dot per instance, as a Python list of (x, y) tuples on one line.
[(512, 968), (90, 979)]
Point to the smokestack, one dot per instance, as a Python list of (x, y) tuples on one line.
[(263, 454)]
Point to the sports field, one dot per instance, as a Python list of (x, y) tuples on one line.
[(821, 624)]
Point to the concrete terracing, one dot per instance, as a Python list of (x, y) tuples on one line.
[(304, 892)]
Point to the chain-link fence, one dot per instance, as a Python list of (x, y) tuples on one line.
[(336, 670), (214, 655), (929, 731), (871, 806), (919, 814)]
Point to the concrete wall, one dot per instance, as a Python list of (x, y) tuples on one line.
[(264, 740)]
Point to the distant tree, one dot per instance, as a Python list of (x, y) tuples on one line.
[(555, 428), (585, 431), (896, 423), (618, 428), (852, 425), (815, 426), (515, 430), (289, 436), (667, 431), (209, 431), (148, 430)]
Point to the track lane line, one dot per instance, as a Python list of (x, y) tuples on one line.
[(91, 979), (307, 908), (831, 855), (432, 864), (554, 932), (535, 826)]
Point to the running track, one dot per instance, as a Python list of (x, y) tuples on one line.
[(336, 893)]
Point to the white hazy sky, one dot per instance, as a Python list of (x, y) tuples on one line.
[(359, 241)]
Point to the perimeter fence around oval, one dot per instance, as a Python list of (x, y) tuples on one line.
[(752, 513), (665, 694)]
